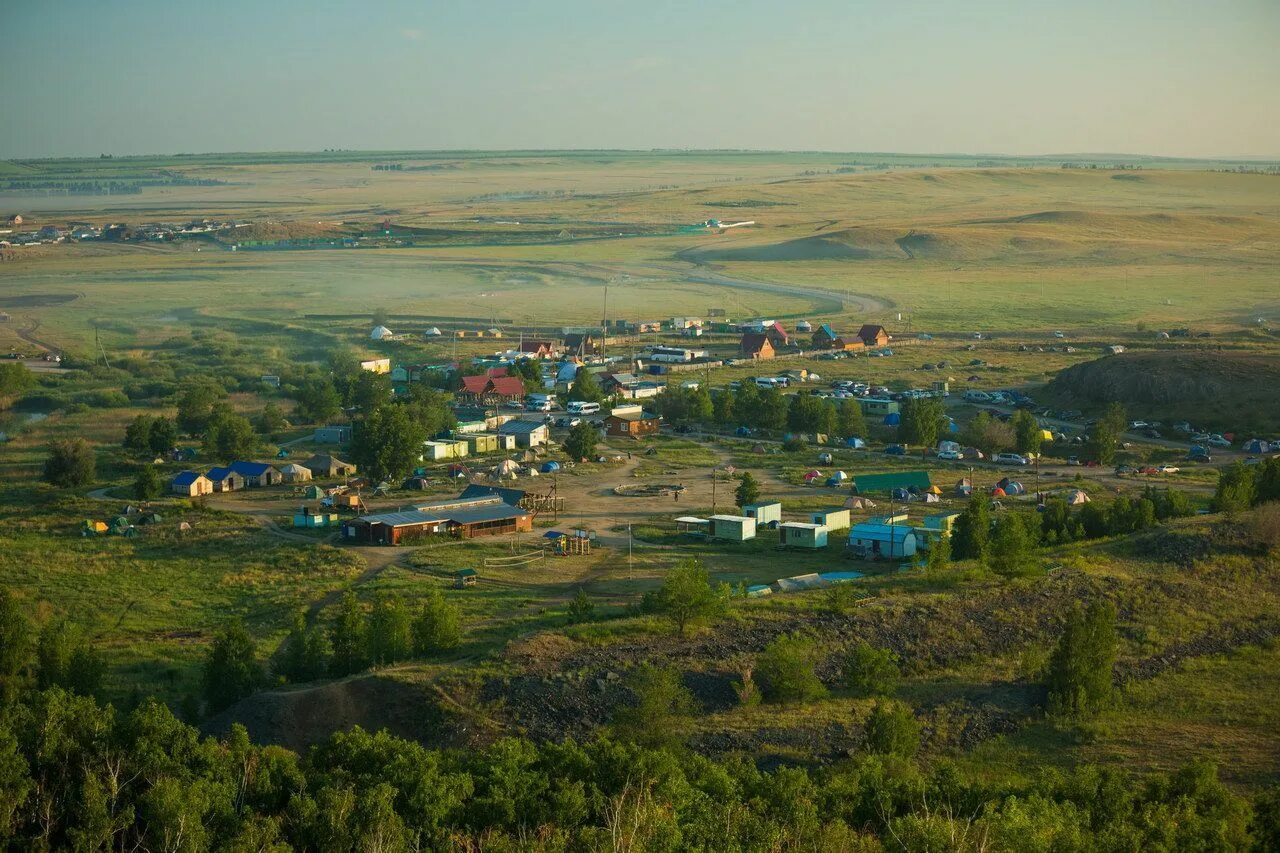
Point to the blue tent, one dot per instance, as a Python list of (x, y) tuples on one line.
[(1257, 445), (855, 442), (548, 467), (952, 426), (892, 420)]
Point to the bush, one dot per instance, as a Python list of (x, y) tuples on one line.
[(438, 627), (788, 669), (662, 709), (794, 445), (71, 463), (1079, 677), (869, 671), (893, 730)]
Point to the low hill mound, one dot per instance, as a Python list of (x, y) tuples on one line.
[(850, 244), (1205, 386)]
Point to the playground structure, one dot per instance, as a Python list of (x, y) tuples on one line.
[(549, 501)]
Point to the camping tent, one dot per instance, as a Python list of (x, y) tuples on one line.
[(433, 332), (380, 333), (934, 490), (839, 476), (416, 483), (858, 503), (812, 475), (1075, 497), (930, 498), (893, 419), (824, 458), (314, 493), (997, 492), (964, 488), (295, 473), (507, 469), (1257, 445), (550, 467), (855, 442)]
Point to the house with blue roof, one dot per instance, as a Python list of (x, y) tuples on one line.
[(887, 541), (257, 474), (190, 484), (824, 337), (224, 479)]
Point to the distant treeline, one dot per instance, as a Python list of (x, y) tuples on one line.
[(130, 186)]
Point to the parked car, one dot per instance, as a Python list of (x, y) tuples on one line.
[(950, 455), (1073, 460), (515, 404), (896, 450), (568, 422), (1218, 441), (1126, 469), (1011, 459), (1199, 457), (1138, 425), (1167, 469)]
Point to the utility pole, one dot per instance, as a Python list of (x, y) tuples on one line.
[(630, 573), (713, 491)]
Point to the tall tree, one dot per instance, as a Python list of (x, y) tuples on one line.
[(438, 627), (231, 669), (71, 463), (851, 423), (986, 433), (1105, 436), (772, 411), (146, 485), (922, 421), (748, 491), (163, 435), (580, 443), (972, 533), (348, 635), (1236, 490), (586, 388), (1080, 671), (1027, 433), (430, 409), (271, 421), (386, 443), (687, 596), (195, 407), (15, 646), (318, 400), (390, 632), (230, 437), (1011, 547)]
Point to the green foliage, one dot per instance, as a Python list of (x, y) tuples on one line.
[(530, 373), (438, 627), (580, 443), (869, 671), (971, 536), (390, 632), (810, 414), (581, 608), (15, 380), (586, 387), (679, 405), (229, 437), (686, 595), (147, 485), (893, 730), (988, 434), (368, 391), (771, 412), (1237, 488), (231, 669), (723, 409), (195, 407), (318, 400), (850, 423), (349, 638), (661, 714), (1011, 553), (1079, 676), (271, 421), (788, 667), (71, 463), (15, 647), (939, 557), (430, 409), (306, 652), (65, 659), (922, 421), (386, 444), (1027, 434), (748, 490), (1104, 437)]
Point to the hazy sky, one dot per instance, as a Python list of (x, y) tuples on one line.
[(1175, 77)]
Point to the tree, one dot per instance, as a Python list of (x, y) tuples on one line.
[(430, 408), (146, 485), (305, 656), (722, 409), (699, 408), (869, 671), (137, 435), (893, 730), (787, 668), (808, 413), (922, 421), (661, 713), (71, 463), (15, 646), (586, 388), (1106, 434), (348, 635), (163, 436), (530, 372), (581, 609), (230, 437), (15, 380), (1027, 434), (972, 533), (1079, 676), (986, 433), (65, 659), (772, 411), (438, 627), (686, 595), (195, 407), (390, 632), (271, 421), (369, 391), (1011, 547), (939, 559), (318, 400), (386, 444), (231, 670), (1237, 488), (748, 491), (580, 443), (851, 423)]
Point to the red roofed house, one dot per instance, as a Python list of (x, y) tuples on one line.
[(495, 372), (777, 335), (491, 390), (756, 345), (539, 349), (873, 336)]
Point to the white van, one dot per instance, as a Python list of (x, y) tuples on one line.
[(579, 407)]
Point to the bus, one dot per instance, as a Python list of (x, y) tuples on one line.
[(579, 407)]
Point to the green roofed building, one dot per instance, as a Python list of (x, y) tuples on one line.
[(867, 484)]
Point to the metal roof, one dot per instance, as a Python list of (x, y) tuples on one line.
[(250, 469), (521, 426), (186, 478), (881, 532), (864, 483)]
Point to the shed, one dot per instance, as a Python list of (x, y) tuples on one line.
[(941, 521), (482, 442), (735, 528), (691, 524), (465, 577), (796, 534), (882, 540), (225, 480), (764, 514), (832, 519), (295, 473), (869, 483), (191, 484), (526, 433), (257, 474)]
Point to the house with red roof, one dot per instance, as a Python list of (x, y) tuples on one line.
[(485, 390)]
